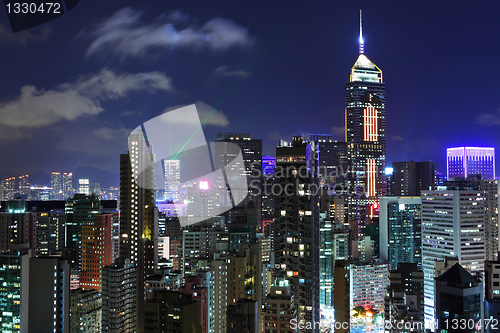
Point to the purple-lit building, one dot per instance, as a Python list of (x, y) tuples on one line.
[(268, 165), (465, 161)]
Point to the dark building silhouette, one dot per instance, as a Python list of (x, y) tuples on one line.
[(459, 295), (409, 178)]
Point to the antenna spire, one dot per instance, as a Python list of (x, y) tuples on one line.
[(361, 42)]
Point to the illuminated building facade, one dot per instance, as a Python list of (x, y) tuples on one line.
[(86, 311), (138, 212), (67, 185), (84, 186), (368, 301), (279, 310), (296, 234), (326, 260), (400, 230), (119, 297), (55, 183), (365, 135), (17, 227), (172, 174), (96, 251), (465, 161), (453, 225), (80, 211), (409, 178), (24, 186)]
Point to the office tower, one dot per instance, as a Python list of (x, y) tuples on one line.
[(219, 269), (251, 150), (296, 224), (67, 185), (200, 288), (365, 135), (172, 175), (56, 185), (465, 161), (172, 311), (452, 226), (491, 190), (8, 188), (138, 213), (409, 178), (405, 294), (459, 295), (84, 186), (80, 211), (24, 186), (85, 311), (342, 296), (280, 311), (96, 251), (326, 260), (17, 227), (119, 297), (400, 229), (242, 316)]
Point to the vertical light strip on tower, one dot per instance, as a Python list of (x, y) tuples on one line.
[(372, 177), (370, 124)]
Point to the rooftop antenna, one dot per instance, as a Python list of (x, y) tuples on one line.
[(361, 42)]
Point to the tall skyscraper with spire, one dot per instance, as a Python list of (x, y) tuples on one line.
[(365, 136)]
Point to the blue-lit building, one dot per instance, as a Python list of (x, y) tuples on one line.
[(465, 161), (400, 230)]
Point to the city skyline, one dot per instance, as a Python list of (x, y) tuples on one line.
[(261, 72)]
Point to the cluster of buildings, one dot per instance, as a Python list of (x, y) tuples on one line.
[(329, 238), (61, 188)]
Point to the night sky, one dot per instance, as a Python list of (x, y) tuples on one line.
[(72, 89)]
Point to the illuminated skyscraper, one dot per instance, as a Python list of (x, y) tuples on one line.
[(138, 213), (465, 161), (67, 185), (297, 229), (453, 225), (172, 173), (84, 186), (365, 135), (96, 251), (55, 183)]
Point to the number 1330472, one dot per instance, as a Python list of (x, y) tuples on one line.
[(34, 8)]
